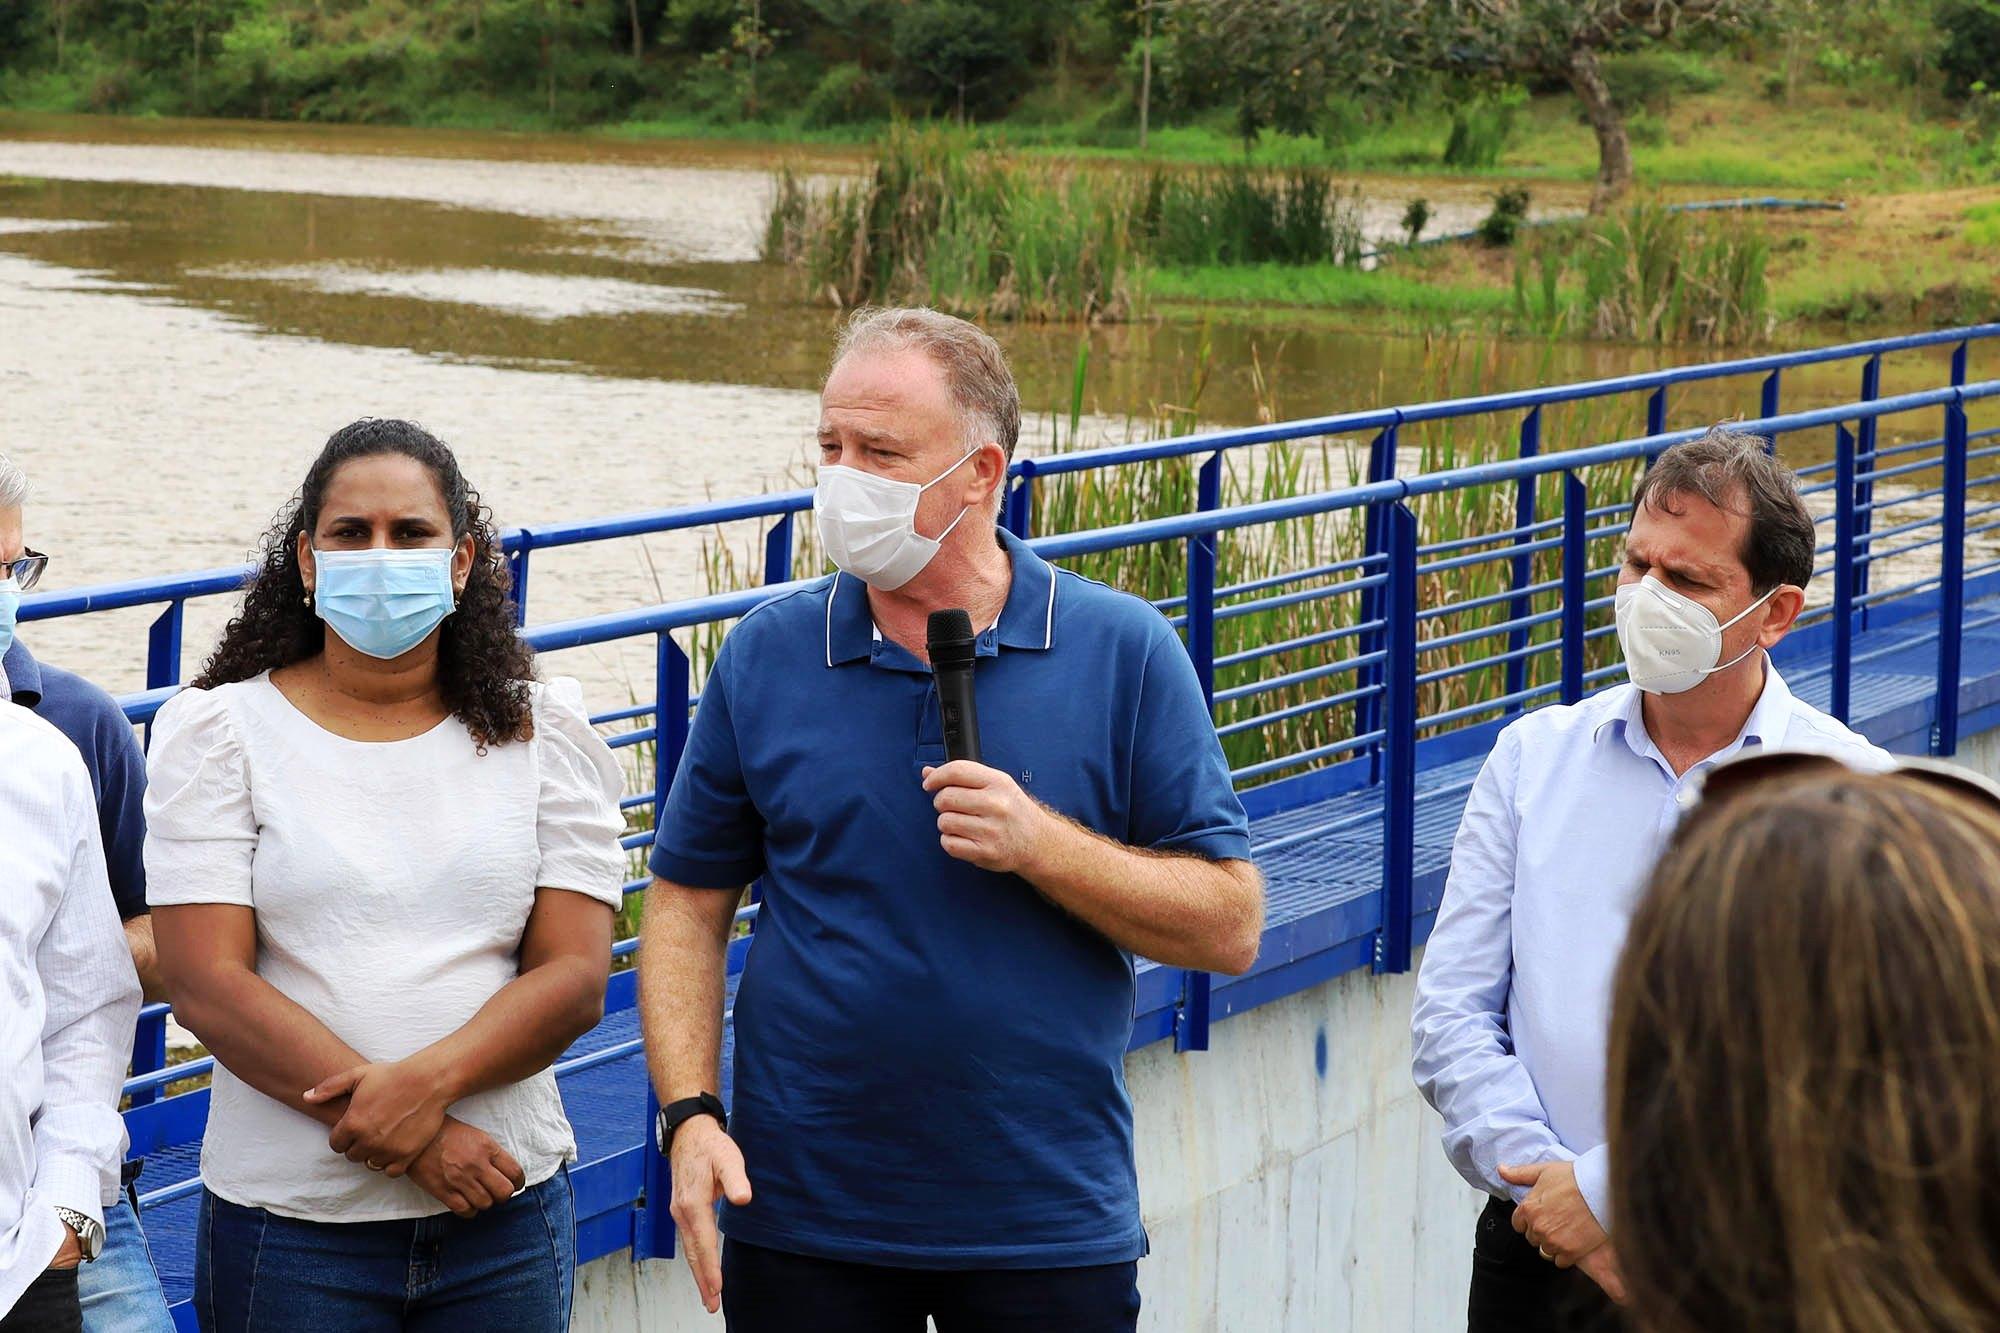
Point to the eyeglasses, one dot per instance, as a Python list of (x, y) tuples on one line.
[(1746, 772), (27, 570)]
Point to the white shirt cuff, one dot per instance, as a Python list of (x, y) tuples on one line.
[(1593, 1180), (63, 1180)]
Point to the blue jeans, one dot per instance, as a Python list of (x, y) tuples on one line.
[(120, 1292), (509, 1270)]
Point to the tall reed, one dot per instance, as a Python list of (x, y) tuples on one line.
[(938, 221), (1651, 275)]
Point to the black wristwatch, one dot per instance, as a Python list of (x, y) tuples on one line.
[(673, 1116)]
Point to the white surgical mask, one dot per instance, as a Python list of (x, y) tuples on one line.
[(869, 524), (1671, 642)]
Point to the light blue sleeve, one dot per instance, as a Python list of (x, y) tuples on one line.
[(1462, 1054), (1593, 1181)]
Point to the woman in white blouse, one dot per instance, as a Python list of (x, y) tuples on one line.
[(383, 863)]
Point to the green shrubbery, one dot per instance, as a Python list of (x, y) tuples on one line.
[(938, 220), (1651, 80), (846, 95), (1649, 274)]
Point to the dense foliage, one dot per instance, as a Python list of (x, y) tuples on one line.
[(1099, 69)]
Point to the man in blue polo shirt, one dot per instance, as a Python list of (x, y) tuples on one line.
[(119, 1290), (930, 1116)]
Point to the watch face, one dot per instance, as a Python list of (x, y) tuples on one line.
[(89, 1235)]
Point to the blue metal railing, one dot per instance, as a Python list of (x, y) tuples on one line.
[(1388, 583)]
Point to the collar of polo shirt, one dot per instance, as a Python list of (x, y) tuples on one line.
[(1028, 620)]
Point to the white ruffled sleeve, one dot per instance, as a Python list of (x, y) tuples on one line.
[(201, 823), (578, 822)]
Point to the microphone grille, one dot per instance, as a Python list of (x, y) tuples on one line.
[(947, 625), (949, 637)]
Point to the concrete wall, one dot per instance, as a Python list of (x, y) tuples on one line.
[(1290, 1177), (1981, 753)]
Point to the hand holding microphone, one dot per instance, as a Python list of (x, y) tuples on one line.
[(983, 815)]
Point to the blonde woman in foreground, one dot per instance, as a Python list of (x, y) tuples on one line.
[(1805, 1057)]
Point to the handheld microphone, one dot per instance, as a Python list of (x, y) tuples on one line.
[(952, 646)]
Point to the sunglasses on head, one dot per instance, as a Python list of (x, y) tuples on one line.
[(1759, 768)]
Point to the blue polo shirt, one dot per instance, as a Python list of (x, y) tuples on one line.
[(929, 1067), (98, 728)]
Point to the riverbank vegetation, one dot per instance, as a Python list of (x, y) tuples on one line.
[(934, 218), (935, 222)]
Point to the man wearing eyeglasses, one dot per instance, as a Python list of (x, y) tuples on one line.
[(120, 1290), (1560, 832)]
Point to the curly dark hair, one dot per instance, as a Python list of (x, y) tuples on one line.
[(483, 665)]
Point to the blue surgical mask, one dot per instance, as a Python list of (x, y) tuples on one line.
[(382, 602), (10, 611)]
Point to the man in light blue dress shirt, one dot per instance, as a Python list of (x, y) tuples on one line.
[(1562, 827)]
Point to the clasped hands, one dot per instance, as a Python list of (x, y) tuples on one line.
[(1556, 1219), (395, 1123)]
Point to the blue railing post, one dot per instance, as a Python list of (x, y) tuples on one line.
[(1656, 411), (1021, 500), (1864, 461), (1399, 781), (1524, 563), (163, 647), (652, 1227), (1951, 583), (1201, 581), (1191, 1017), (1374, 544), (1767, 403), (1839, 702), (778, 552), (1576, 564), (1958, 365), (517, 569), (163, 667), (149, 1049), (672, 691)]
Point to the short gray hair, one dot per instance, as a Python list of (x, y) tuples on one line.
[(1729, 469), (975, 369), (13, 485)]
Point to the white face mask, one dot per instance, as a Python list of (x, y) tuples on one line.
[(1670, 641), (869, 524)]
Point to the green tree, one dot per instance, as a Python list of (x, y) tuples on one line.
[(1565, 41), (1971, 47), (950, 50), (1278, 62), (194, 27), (852, 30), (253, 51)]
